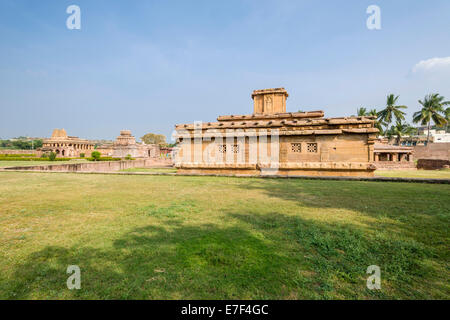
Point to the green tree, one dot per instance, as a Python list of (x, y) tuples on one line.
[(432, 109), (152, 138), (371, 113), (378, 124), (391, 111), (96, 155), (361, 112), (5, 143), (447, 117), (37, 143), (21, 144), (399, 130), (52, 156)]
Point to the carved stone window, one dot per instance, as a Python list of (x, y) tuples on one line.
[(311, 147), (235, 148), (296, 147), (223, 148)]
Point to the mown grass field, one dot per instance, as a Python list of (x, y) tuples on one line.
[(431, 174), (166, 237)]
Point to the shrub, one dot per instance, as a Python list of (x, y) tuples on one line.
[(128, 157), (52, 156), (96, 155), (82, 155)]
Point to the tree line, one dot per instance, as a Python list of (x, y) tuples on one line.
[(391, 120), (21, 143)]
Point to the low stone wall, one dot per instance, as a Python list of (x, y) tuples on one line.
[(101, 166), (15, 151), (439, 151), (391, 165), (432, 164)]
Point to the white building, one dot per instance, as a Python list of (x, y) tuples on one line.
[(438, 136)]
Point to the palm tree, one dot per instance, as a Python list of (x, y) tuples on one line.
[(378, 124), (447, 117), (361, 112), (391, 111), (399, 130), (432, 109), (371, 113)]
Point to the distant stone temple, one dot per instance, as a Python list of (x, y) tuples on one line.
[(126, 145), (272, 140), (66, 146)]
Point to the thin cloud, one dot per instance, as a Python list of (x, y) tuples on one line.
[(432, 65)]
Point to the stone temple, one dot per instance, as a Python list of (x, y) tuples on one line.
[(67, 146), (125, 144), (273, 141)]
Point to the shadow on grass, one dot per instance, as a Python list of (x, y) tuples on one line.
[(335, 258), (411, 207), (269, 256), (154, 263), (252, 255)]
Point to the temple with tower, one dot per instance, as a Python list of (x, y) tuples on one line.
[(273, 141), (66, 146)]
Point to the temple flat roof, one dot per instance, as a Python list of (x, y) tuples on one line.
[(271, 90), (250, 122), (381, 147), (260, 116)]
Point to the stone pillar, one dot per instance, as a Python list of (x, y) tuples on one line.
[(377, 157), (394, 157)]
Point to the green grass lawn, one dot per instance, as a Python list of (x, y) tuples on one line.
[(435, 174), (171, 237), (4, 164), (155, 170)]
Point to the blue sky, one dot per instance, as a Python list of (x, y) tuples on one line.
[(148, 65)]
